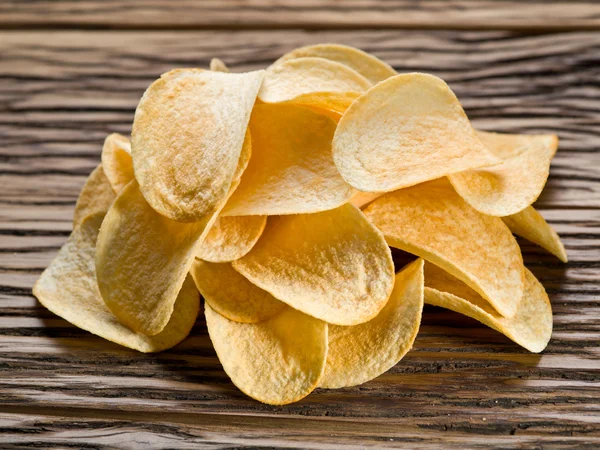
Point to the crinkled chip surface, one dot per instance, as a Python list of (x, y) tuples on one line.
[(116, 161), (332, 265), (96, 196), (69, 289), (362, 352), (432, 221), (278, 361), (406, 130)]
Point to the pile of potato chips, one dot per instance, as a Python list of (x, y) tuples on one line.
[(277, 194)]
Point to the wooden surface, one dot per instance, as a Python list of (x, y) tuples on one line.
[(463, 385)]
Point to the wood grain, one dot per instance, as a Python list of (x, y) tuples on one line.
[(463, 385)]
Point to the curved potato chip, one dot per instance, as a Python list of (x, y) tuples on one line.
[(69, 289), (290, 79), (369, 66), (332, 265), (142, 259), (531, 326), (278, 361), (96, 196), (116, 161), (216, 65), (406, 130), (291, 170), (187, 136), (232, 295), (517, 182), (360, 353), (530, 224), (331, 104), (432, 221)]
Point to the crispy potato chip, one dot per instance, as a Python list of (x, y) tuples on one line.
[(331, 104), (294, 78), (187, 137), (530, 224), (332, 265), (142, 259), (404, 131), (96, 196), (291, 170), (232, 295), (216, 65), (69, 289), (278, 361), (432, 221), (509, 187), (360, 353), (116, 161), (369, 66), (530, 327)]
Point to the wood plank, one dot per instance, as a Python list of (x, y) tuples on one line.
[(319, 14)]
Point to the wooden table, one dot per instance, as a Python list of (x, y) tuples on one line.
[(72, 72)]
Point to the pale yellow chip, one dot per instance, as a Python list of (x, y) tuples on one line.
[(530, 327), (291, 170), (406, 130), (142, 259), (278, 361), (332, 265), (216, 65), (432, 221), (95, 196), (69, 289), (116, 161), (530, 224), (290, 79), (232, 295), (360, 353), (369, 66), (509, 187), (187, 137)]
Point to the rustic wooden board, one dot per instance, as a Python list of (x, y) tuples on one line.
[(463, 385)]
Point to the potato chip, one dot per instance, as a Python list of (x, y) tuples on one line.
[(369, 66), (116, 161), (406, 130), (187, 137), (332, 265), (290, 79), (291, 170), (142, 259), (530, 327), (509, 187), (216, 65), (360, 353), (530, 224), (96, 196), (331, 104), (232, 295), (69, 289), (432, 221), (278, 361), (362, 199)]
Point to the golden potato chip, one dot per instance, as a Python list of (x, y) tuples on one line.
[(116, 161), (509, 187), (291, 170), (406, 130), (369, 66), (290, 79), (530, 224), (232, 295), (360, 353), (278, 361), (187, 136), (332, 265), (331, 104), (96, 196), (530, 327), (216, 65), (432, 221), (69, 289), (362, 199), (142, 259)]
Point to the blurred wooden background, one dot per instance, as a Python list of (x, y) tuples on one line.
[(72, 71)]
